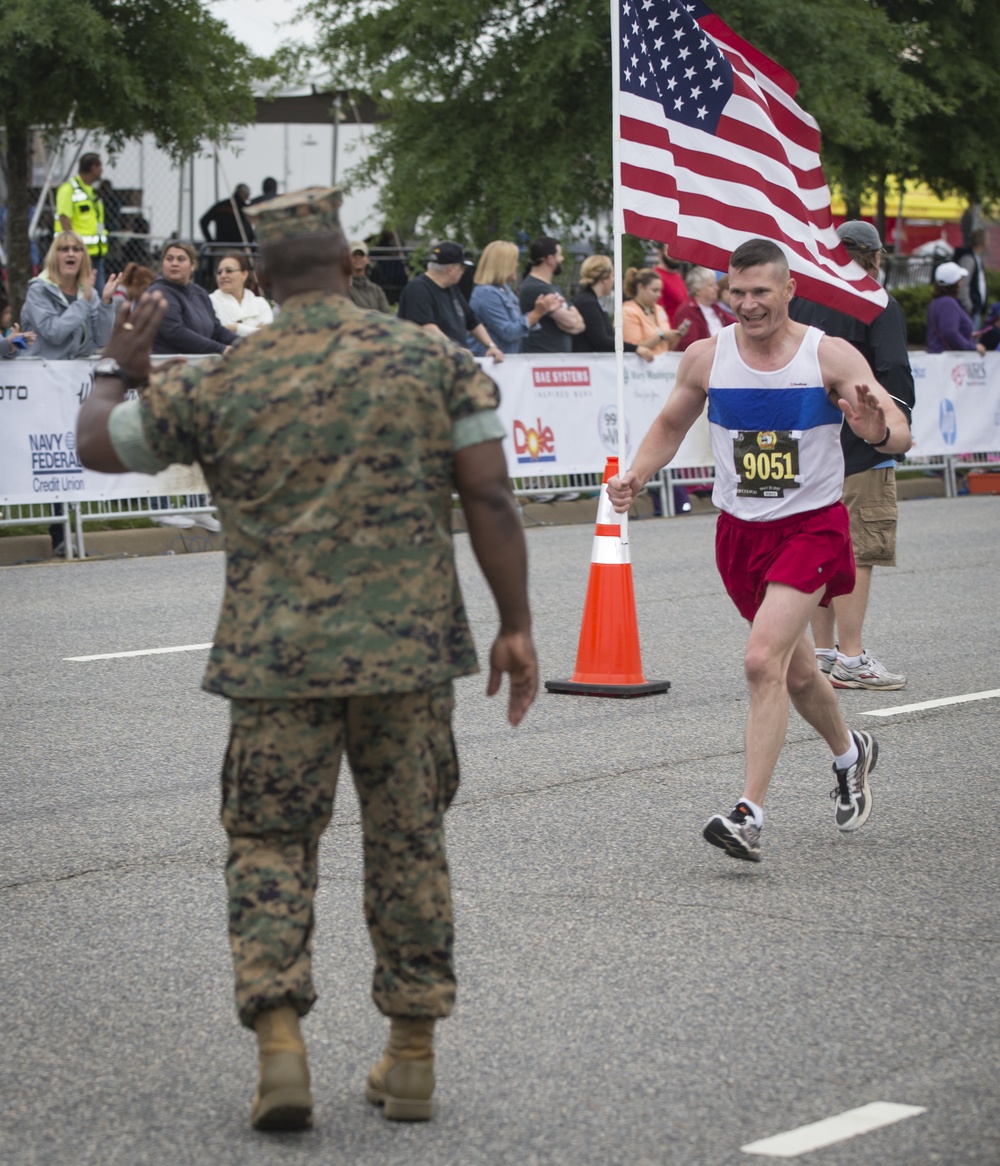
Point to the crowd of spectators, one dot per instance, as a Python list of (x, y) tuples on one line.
[(516, 299)]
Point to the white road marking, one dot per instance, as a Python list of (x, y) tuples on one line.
[(142, 652), (832, 1129), (934, 704)]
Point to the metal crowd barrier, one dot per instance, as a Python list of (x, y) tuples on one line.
[(73, 516)]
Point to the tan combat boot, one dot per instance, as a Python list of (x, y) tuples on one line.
[(403, 1081), (282, 1100)]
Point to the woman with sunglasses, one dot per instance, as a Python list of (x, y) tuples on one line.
[(63, 309), (236, 306)]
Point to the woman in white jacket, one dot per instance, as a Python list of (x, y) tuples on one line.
[(237, 308)]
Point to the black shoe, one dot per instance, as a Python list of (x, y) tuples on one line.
[(737, 834), (853, 794)]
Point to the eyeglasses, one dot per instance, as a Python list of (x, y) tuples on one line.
[(72, 247), (229, 270)]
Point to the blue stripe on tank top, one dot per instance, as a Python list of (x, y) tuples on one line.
[(763, 409)]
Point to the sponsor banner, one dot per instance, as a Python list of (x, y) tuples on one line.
[(39, 402), (561, 411), (958, 403)]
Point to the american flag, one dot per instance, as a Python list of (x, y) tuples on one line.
[(714, 151)]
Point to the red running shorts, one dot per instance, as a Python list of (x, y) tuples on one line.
[(806, 551)]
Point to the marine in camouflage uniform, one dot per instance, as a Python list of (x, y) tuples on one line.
[(332, 440)]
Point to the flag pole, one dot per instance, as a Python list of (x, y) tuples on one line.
[(617, 230), (608, 658)]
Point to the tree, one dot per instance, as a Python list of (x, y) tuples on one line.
[(164, 67), (499, 111), (951, 141)]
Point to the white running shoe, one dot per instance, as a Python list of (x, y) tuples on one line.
[(852, 795), (181, 520), (208, 522), (870, 673)]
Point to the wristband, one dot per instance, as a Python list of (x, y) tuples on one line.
[(884, 441)]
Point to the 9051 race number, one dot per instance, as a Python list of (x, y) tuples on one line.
[(766, 463)]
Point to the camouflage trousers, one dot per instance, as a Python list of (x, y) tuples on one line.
[(278, 784)]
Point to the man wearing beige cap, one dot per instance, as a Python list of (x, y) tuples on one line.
[(365, 292), (332, 441)]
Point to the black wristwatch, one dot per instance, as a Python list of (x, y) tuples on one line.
[(884, 441), (109, 367)]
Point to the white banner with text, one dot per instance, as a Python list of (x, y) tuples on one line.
[(39, 401), (560, 414)]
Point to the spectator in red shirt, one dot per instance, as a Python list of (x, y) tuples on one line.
[(706, 316)]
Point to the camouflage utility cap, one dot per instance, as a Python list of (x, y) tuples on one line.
[(312, 211)]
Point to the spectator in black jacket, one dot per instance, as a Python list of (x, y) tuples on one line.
[(597, 280), (870, 478), (190, 325)]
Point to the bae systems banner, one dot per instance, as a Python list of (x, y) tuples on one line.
[(39, 401), (560, 414)]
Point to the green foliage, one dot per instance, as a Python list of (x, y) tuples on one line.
[(165, 67), (633, 252), (499, 109), (914, 301), (955, 56)]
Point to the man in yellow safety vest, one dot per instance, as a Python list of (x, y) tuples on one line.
[(79, 208)]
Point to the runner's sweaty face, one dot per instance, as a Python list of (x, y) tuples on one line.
[(759, 296)]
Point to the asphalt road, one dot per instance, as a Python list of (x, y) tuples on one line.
[(627, 994)]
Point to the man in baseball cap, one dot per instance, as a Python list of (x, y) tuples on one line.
[(433, 302), (859, 236), (365, 292), (869, 474)]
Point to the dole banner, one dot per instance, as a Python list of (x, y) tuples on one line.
[(39, 402), (561, 414)]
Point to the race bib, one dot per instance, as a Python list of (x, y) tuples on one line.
[(767, 463)]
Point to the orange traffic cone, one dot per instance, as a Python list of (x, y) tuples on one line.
[(608, 661)]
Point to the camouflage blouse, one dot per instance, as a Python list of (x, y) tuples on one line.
[(327, 440)]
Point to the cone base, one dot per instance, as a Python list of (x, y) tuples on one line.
[(622, 691)]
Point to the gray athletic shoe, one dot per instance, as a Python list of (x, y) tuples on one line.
[(853, 795), (870, 673), (736, 833)]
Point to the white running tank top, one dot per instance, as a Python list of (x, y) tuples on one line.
[(775, 435)]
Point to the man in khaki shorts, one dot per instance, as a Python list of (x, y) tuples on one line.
[(870, 475)]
